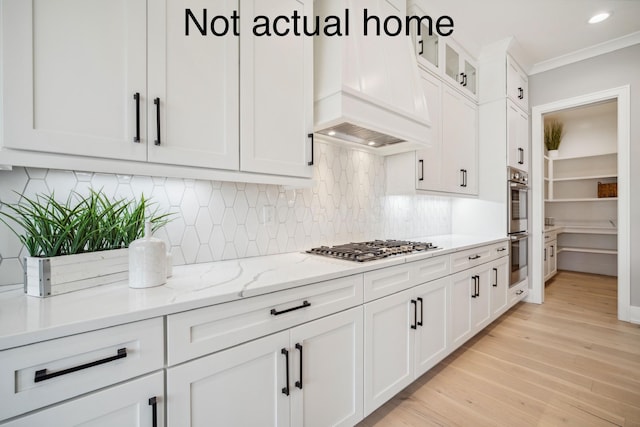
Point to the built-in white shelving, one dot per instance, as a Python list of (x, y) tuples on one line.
[(587, 232), (588, 250)]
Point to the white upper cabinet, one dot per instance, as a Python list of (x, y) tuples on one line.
[(443, 56), (517, 137), (429, 160), (70, 72), (460, 69), (517, 85), (459, 143), (276, 93), (451, 163), (195, 80), (121, 79)]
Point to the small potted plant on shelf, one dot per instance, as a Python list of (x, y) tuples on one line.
[(79, 243), (553, 133)]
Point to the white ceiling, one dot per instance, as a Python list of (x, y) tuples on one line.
[(544, 29)]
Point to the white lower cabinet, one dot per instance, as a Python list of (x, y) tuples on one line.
[(478, 296), (326, 371), (241, 386), (137, 403), (499, 286), (405, 335), (309, 375)]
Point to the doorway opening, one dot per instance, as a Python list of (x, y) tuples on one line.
[(583, 192)]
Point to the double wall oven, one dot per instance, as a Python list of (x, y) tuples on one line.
[(518, 223)]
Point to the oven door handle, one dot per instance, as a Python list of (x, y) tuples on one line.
[(518, 186), (517, 237)]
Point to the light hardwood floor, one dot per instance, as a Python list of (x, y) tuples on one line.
[(568, 362)]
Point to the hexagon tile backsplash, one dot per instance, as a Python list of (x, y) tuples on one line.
[(226, 220)]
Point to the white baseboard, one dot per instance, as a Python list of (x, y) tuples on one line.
[(634, 314)]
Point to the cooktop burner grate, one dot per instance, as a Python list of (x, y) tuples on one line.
[(373, 250)]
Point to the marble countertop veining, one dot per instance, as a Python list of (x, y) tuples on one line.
[(25, 319)]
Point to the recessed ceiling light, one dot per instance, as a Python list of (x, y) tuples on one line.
[(599, 17), (331, 133), (372, 143)]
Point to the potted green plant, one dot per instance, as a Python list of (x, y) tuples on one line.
[(79, 243), (553, 133)]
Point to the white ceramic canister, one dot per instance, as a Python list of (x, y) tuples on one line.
[(147, 261)]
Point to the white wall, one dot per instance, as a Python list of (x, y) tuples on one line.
[(611, 70), (223, 220)]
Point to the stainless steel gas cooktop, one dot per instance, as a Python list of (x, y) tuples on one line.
[(369, 251)]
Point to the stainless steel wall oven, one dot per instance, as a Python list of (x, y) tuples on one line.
[(518, 224), (517, 196)]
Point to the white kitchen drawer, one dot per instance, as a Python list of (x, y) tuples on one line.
[(386, 281), (77, 364), (471, 257), (126, 404), (432, 268), (518, 292), (198, 332), (550, 235)]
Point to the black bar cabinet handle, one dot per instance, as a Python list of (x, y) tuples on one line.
[(421, 170), (136, 96), (310, 135), (476, 256), (553, 251), (157, 102), (304, 304), (475, 286), (464, 79), (501, 249), (478, 285), (285, 389), (415, 314), (463, 172), (421, 311), (299, 383), (421, 47), (154, 411), (495, 283), (42, 375), (465, 177), (545, 254), (521, 156)]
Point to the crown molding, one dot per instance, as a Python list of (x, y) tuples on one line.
[(586, 53)]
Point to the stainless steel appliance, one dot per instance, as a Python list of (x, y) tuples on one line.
[(517, 195), (372, 250), (519, 257), (518, 224)]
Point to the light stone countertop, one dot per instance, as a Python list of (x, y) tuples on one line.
[(25, 319)]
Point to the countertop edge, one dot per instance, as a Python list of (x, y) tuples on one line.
[(22, 338)]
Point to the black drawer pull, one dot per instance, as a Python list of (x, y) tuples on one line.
[(421, 311), (501, 249), (42, 375), (275, 312), (474, 257)]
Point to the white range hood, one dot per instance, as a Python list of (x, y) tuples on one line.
[(367, 88)]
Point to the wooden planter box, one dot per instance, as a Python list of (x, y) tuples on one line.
[(44, 277)]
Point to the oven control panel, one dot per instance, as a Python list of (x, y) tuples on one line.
[(516, 175)]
